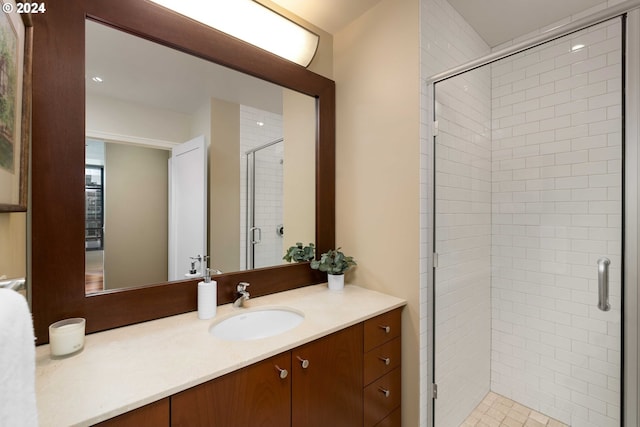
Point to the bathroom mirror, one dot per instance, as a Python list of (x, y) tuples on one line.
[(57, 271), (143, 100)]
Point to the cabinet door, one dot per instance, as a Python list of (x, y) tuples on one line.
[(327, 381), (255, 396), (153, 414)]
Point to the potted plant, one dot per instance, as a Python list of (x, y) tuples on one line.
[(299, 253), (335, 264)]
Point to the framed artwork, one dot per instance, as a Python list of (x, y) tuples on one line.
[(15, 105)]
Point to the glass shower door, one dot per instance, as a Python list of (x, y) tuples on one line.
[(528, 234), (264, 214), (463, 235)]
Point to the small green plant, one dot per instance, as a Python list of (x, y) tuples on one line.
[(333, 262), (299, 253)]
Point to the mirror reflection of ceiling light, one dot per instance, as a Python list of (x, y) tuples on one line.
[(252, 22), (576, 47)]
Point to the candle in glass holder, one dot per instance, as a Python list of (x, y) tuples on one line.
[(66, 337)]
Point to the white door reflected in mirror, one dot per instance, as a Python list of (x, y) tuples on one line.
[(187, 207)]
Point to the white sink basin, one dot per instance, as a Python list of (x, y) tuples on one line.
[(253, 324)]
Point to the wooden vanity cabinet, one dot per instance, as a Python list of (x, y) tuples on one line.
[(350, 378), (258, 395), (322, 387)]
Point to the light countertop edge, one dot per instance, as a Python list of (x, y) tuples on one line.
[(126, 368)]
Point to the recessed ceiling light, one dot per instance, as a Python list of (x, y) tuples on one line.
[(260, 123), (576, 47), (97, 79)]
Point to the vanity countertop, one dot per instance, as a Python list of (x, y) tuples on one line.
[(125, 368)]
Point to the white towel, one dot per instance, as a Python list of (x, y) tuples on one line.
[(17, 362)]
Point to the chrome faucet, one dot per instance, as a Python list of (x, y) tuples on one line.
[(241, 294)]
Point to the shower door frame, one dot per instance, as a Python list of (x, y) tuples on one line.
[(630, 320)]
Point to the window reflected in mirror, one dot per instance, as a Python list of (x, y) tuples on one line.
[(94, 217)]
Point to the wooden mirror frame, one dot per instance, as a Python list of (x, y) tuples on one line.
[(57, 268)]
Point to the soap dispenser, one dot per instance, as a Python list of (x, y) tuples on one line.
[(207, 297)]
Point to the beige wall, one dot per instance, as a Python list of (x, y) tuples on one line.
[(13, 240), (136, 186), (376, 68), (224, 186), (299, 168)]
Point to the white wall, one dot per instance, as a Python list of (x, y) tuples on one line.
[(200, 122)]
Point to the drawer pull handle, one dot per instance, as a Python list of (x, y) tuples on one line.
[(283, 372), (386, 360), (386, 329), (303, 362), (384, 391)]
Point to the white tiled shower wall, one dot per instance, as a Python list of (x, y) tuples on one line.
[(447, 41), (557, 209), (268, 178)]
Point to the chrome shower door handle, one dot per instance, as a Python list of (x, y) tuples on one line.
[(253, 230), (603, 284)]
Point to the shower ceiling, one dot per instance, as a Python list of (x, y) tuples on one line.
[(498, 21)]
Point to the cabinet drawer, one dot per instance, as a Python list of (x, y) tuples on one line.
[(381, 360), (381, 398), (381, 329), (393, 420)]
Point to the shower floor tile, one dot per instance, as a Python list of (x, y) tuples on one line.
[(498, 411)]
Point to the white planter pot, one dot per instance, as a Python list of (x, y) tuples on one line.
[(336, 282)]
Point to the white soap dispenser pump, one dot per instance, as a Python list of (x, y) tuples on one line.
[(207, 297)]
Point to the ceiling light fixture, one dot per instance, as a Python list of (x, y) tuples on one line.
[(576, 47), (97, 79), (252, 22)]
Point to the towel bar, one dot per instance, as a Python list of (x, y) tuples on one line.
[(14, 284)]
